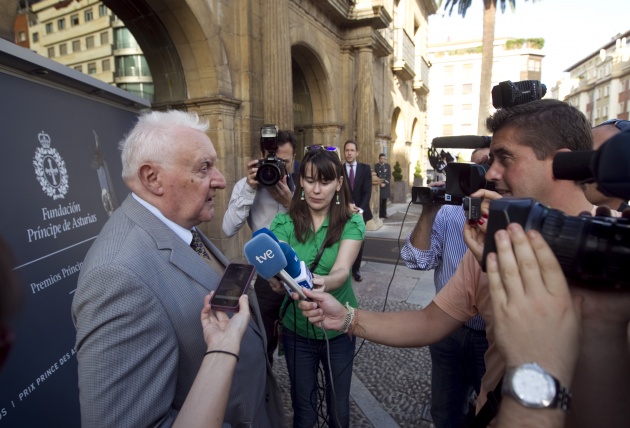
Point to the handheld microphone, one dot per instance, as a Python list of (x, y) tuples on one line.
[(296, 267), (269, 260), (607, 166), (265, 231), (462, 142)]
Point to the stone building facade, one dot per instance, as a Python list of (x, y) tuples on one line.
[(332, 70), (599, 84)]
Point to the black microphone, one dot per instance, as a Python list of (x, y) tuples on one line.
[(607, 166), (462, 142)]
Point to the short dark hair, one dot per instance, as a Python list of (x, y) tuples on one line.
[(286, 136), (381, 154), (351, 142), (546, 126)]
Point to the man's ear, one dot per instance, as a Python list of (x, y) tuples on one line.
[(150, 175)]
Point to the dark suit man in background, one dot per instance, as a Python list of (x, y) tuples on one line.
[(136, 309), (384, 172), (359, 178)]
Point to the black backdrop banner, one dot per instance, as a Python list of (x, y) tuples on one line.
[(60, 176)]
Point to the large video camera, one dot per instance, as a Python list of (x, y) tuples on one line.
[(271, 169), (587, 248), (462, 179)]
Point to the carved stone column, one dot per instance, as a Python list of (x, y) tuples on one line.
[(276, 60), (365, 105)]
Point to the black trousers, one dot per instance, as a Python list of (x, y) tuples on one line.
[(269, 303), (356, 266), (382, 209)]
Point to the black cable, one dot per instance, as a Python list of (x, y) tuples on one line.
[(402, 225)]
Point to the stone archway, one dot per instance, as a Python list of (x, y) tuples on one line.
[(313, 88), (181, 42)]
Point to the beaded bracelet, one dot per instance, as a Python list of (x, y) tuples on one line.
[(349, 317), (218, 351)]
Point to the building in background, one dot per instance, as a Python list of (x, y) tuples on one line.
[(453, 104), (88, 37), (331, 70), (600, 82)]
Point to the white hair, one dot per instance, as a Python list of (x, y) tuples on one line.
[(153, 138)]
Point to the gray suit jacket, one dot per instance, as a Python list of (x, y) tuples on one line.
[(139, 338)]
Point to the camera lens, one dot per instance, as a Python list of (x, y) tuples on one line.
[(268, 174), (591, 249)]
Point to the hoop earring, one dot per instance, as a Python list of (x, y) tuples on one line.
[(302, 197), (337, 203)]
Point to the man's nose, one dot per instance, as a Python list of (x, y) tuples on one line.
[(217, 180), (493, 174)]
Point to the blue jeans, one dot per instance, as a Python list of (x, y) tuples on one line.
[(303, 358), (457, 369)]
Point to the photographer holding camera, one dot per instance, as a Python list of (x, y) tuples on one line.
[(525, 140), (457, 365), (256, 199)]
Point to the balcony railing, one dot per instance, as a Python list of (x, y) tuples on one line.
[(404, 55), (421, 81)]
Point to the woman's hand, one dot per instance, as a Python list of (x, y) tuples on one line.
[(319, 283), (221, 331), (276, 285)]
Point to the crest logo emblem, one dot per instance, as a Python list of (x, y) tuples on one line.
[(50, 169)]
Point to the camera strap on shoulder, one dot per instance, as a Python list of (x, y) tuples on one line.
[(490, 408)]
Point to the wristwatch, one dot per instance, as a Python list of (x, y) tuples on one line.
[(532, 386)]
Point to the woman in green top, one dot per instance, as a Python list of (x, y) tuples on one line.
[(320, 217)]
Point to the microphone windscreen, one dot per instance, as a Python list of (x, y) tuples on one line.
[(573, 165), (462, 142), (265, 255), (293, 261), (265, 231)]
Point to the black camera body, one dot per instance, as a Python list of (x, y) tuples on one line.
[(588, 248), (462, 179), (271, 169), (510, 94)]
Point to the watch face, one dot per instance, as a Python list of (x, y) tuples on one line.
[(533, 386)]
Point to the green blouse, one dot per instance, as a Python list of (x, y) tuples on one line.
[(282, 227)]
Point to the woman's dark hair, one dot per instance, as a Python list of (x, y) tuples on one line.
[(328, 168), (8, 284), (8, 299)]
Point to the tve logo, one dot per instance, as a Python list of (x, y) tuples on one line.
[(265, 256)]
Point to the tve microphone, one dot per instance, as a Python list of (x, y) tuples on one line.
[(265, 231), (296, 267), (269, 260), (462, 142)]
